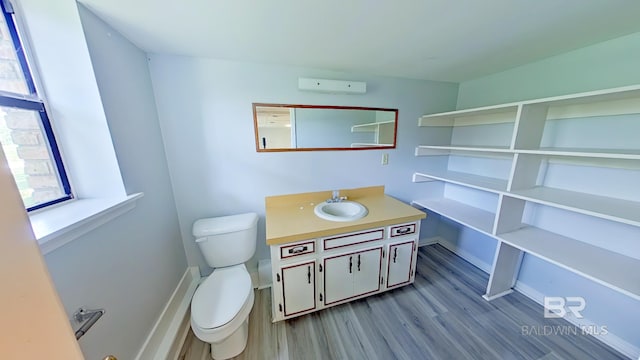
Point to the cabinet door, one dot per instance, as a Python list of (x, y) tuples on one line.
[(400, 263), (298, 287), (366, 274), (338, 278)]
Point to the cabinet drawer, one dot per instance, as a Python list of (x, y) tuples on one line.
[(297, 249), (343, 240), (402, 230)]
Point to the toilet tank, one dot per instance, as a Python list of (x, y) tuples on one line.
[(227, 240)]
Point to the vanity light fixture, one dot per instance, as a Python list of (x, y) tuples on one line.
[(332, 86)]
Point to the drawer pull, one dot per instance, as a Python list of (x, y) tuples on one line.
[(298, 249), (404, 231)]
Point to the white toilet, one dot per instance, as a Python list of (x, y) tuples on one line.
[(221, 305)]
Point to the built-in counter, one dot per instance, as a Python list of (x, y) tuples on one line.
[(291, 218), (317, 263)]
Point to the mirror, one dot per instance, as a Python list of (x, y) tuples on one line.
[(281, 127)]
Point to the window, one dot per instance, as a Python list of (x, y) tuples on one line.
[(25, 131)]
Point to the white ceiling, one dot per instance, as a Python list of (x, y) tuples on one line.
[(450, 40)]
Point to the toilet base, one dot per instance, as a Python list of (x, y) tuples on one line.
[(233, 345)]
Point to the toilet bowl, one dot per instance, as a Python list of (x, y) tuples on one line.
[(220, 310), (221, 304)]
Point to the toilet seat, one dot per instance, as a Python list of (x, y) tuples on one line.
[(220, 297)]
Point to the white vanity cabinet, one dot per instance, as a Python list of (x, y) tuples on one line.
[(351, 275), (313, 274)]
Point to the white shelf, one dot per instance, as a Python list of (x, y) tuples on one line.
[(475, 218), (623, 211), (427, 150), (469, 180), (624, 92), (608, 268), (593, 153), (478, 116), (369, 127)]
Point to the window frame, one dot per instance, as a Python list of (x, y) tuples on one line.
[(33, 102)]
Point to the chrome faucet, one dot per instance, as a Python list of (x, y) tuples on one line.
[(335, 197)]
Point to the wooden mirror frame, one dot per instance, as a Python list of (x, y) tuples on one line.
[(358, 146)]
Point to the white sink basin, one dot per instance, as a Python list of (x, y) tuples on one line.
[(341, 211)]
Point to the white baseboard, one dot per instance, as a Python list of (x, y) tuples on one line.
[(168, 330), (430, 241), (610, 339), (181, 336)]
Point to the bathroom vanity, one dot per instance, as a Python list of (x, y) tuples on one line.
[(318, 263)]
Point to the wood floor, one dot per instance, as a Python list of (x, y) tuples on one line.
[(441, 316)]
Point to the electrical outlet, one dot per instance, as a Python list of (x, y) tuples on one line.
[(385, 159)]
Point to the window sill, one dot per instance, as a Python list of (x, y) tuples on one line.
[(58, 226)]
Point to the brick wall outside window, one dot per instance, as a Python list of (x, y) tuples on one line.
[(21, 134)]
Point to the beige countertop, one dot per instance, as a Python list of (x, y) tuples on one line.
[(291, 218)]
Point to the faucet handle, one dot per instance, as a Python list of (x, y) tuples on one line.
[(336, 194)]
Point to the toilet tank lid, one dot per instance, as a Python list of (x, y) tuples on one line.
[(224, 224)]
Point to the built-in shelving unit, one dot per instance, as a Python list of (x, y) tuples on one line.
[(556, 178)]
